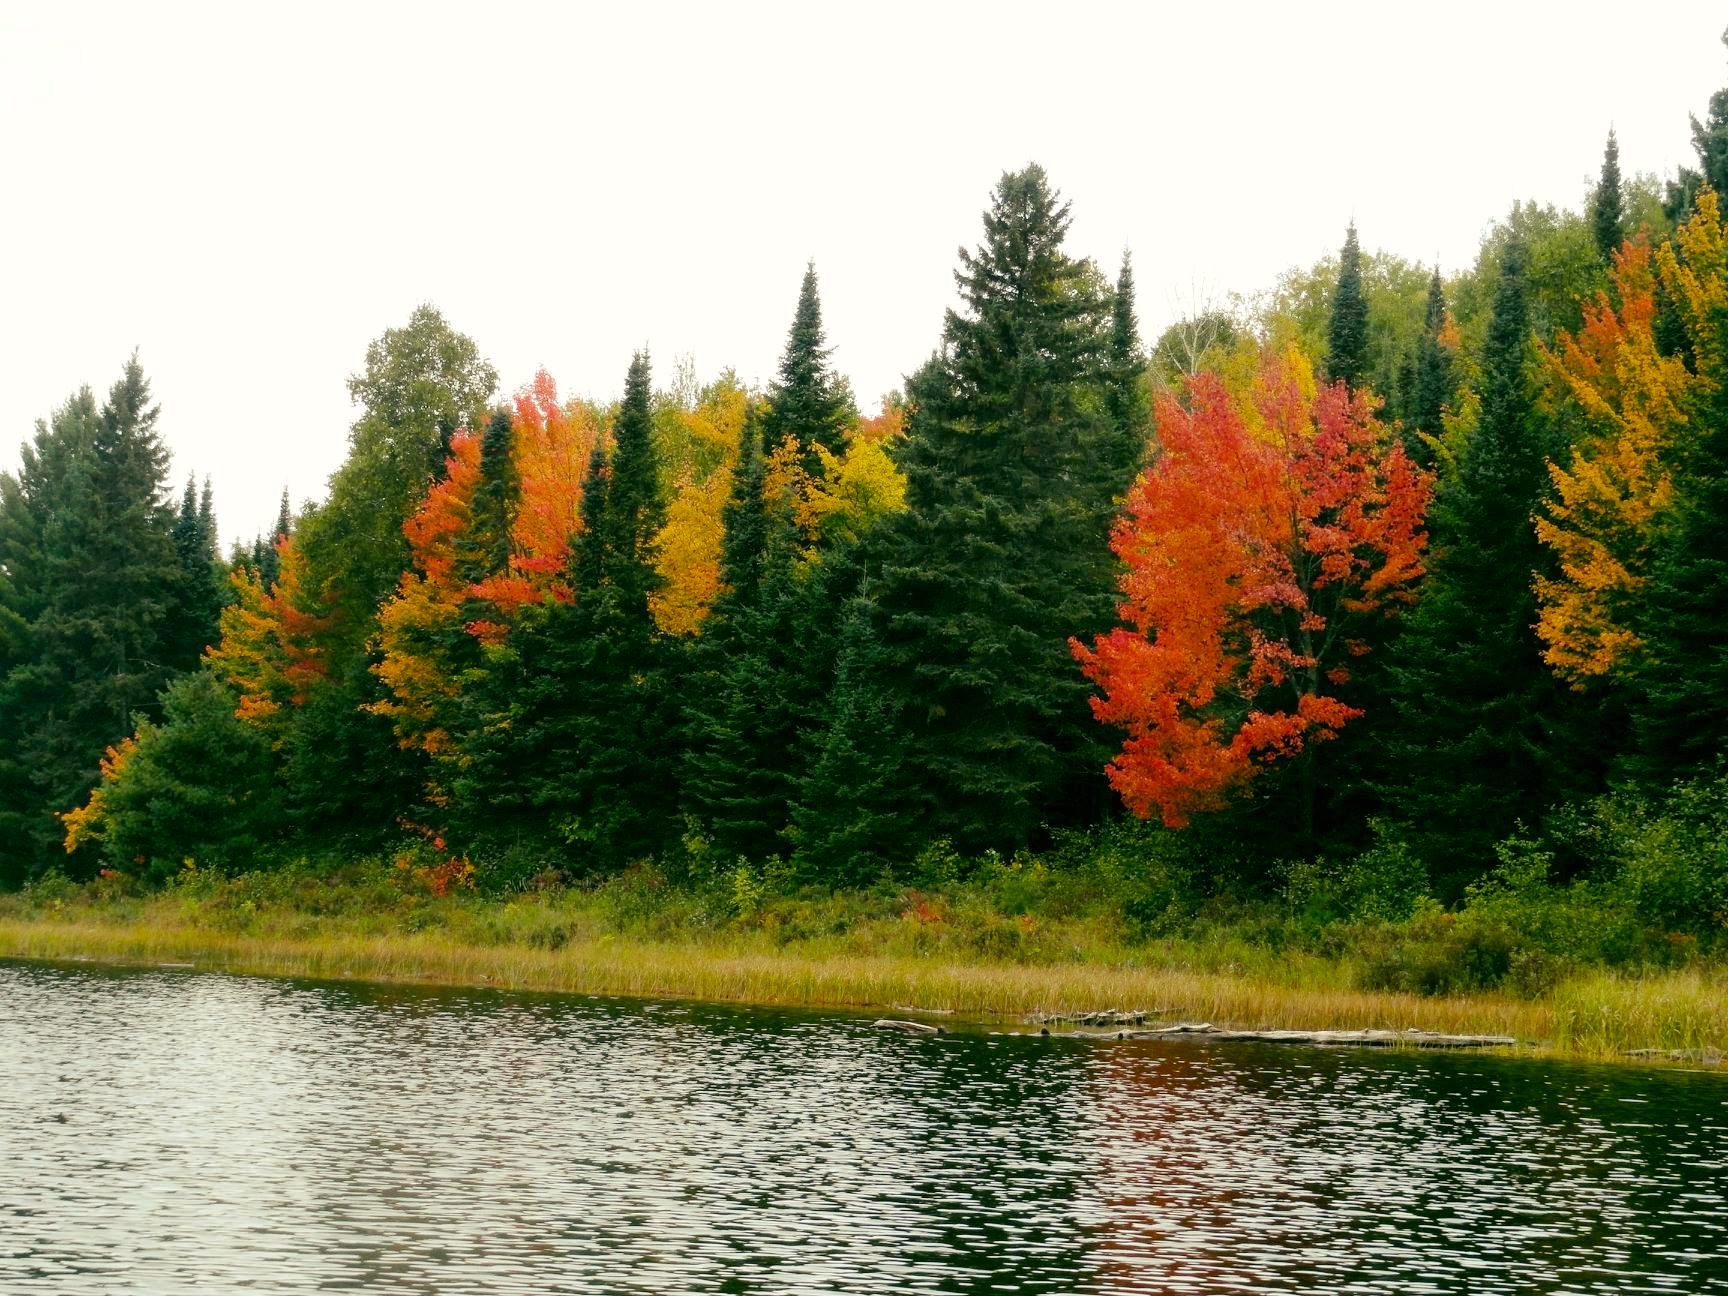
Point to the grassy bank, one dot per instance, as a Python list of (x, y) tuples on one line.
[(925, 952)]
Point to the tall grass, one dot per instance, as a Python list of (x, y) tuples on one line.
[(880, 963)]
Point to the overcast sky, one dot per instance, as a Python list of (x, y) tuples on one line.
[(248, 194)]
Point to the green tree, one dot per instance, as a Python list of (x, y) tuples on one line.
[(1608, 204), (1347, 335), (1013, 472), (199, 787), (421, 383), (849, 822), (203, 584), (90, 549), (1710, 144), (1126, 393), (807, 400), (496, 499), (577, 723), (1432, 385), (1470, 743)]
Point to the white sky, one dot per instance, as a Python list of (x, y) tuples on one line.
[(249, 195)]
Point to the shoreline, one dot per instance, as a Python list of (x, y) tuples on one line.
[(1593, 1017)]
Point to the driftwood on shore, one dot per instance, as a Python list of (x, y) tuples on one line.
[(1368, 1038), (1103, 1017), (1706, 1056)]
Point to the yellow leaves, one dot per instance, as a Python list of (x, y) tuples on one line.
[(859, 489), (85, 824), (1615, 486), (689, 555)]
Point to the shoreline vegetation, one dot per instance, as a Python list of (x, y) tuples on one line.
[(933, 957)]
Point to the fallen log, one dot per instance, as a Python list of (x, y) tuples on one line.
[(1707, 1056), (1366, 1038), (909, 1027)]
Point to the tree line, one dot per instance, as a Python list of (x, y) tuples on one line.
[(1383, 554)]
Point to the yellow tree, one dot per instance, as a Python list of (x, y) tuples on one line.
[(1616, 485)]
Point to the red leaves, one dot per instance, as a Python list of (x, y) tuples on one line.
[(1254, 539)]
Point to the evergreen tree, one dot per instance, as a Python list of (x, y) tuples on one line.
[(1475, 702), (1347, 335), (1432, 385), (578, 720), (1013, 471), (201, 577), (91, 552), (807, 400), (1608, 204), (1681, 721), (752, 694), (850, 823), (1126, 393), (496, 499), (1710, 144)]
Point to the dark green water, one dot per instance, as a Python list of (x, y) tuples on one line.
[(176, 1133)]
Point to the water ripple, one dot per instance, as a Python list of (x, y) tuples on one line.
[(169, 1132)]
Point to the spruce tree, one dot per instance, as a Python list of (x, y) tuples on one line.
[(1608, 204), (807, 401), (496, 499), (849, 823), (1126, 393), (1013, 469), (1710, 145), (1347, 335), (577, 727), (1470, 751), (195, 625), (1432, 385), (89, 534)]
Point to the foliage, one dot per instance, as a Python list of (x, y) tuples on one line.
[(1252, 564)]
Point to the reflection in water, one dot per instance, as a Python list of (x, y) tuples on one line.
[(167, 1132)]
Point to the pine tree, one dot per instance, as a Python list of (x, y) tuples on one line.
[(496, 499), (1469, 745), (1608, 204), (1432, 385), (1710, 144), (202, 582), (90, 540), (1347, 335), (577, 723), (753, 693), (849, 822), (1013, 472), (807, 400), (1126, 393)]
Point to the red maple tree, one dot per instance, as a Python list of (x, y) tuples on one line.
[(1265, 538)]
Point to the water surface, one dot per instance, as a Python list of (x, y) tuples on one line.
[(175, 1132)]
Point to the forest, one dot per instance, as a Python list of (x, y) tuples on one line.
[(1387, 607)]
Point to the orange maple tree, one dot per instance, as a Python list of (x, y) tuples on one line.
[(274, 644), (1260, 545)]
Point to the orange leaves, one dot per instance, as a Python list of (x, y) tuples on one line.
[(1254, 541), (273, 648)]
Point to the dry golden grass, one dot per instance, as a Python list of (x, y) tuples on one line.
[(1597, 1016)]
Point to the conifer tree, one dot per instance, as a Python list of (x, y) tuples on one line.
[(1013, 472), (90, 539), (1470, 751), (1432, 386), (496, 499), (1608, 204), (849, 822), (1681, 721), (578, 719), (807, 400), (202, 582), (1126, 393), (1347, 335)]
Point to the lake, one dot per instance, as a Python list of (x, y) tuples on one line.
[(178, 1132)]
